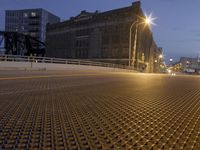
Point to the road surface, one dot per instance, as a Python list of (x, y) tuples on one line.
[(98, 110)]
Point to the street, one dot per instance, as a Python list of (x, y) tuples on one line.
[(98, 110)]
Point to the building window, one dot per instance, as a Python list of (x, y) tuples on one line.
[(33, 34), (25, 15), (33, 14)]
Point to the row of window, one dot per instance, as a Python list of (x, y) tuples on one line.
[(25, 14), (32, 14), (83, 32), (21, 27), (82, 43), (82, 53)]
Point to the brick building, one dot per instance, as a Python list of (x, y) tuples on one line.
[(103, 36)]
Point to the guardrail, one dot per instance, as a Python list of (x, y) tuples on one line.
[(35, 59)]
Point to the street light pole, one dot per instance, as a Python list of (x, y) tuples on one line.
[(148, 20), (135, 47), (130, 42)]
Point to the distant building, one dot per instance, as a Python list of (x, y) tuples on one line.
[(30, 22), (104, 37), (159, 65), (190, 63)]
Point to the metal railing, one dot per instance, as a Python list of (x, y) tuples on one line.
[(35, 59)]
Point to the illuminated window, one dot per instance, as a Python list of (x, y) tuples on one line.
[(33, 34), (25, 15), (33, 14)]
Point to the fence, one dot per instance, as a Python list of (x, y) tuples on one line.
[(36, 59)]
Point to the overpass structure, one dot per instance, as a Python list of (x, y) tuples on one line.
[(15, 43)]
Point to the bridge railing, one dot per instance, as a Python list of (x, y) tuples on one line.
[(35, 59)]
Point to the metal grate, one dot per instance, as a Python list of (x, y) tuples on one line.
[(105, 111)]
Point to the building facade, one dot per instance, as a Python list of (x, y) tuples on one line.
[(190, 63), (159, 66), (104, 36), (30, 22)]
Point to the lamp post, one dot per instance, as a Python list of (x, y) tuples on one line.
[(160, 56), (147, 20), (130, 41)]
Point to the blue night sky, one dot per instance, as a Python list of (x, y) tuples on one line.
[(178, 21)]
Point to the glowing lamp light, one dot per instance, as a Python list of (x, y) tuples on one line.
[(169, 71), (161, 56), (149, 20)]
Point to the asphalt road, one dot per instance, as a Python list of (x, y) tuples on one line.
[(98, 110)]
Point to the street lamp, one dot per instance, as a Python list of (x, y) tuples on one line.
[(171, 61), (147, 20), (130, 40), (160, 56)]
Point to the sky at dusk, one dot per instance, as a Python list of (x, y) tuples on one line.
[(178, 21)]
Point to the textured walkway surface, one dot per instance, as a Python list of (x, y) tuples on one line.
[(91, 110)]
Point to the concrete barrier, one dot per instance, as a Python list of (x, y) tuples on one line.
[(12, 65)]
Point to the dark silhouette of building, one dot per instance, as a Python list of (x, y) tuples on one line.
[(103, 36), (15, 43)]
